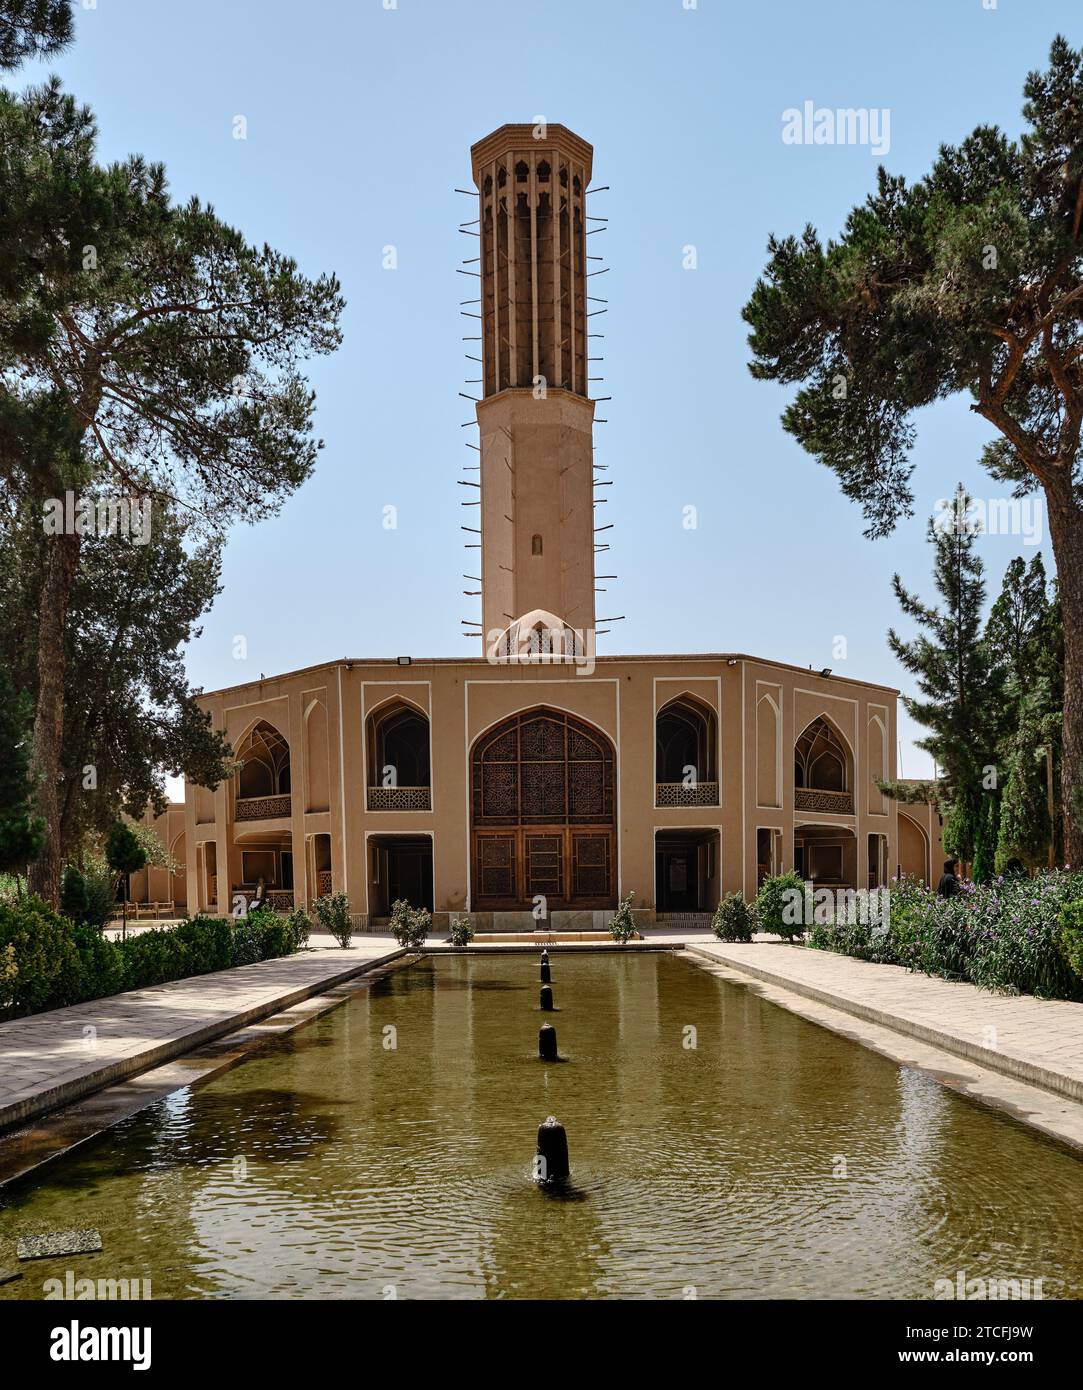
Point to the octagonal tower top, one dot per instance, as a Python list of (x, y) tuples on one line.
[(532, 225), (521, 140)]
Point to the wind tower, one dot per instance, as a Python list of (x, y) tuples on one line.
[(535, 417)]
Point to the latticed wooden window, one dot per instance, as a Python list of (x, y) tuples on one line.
[(543, 768)]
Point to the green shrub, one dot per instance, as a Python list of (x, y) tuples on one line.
[(409, 925), (100, 970), (43, 955), (300, 925), (333, 915), (1070, 936), (1008, 935), (779, 906), (209, 941), (261, 935), (855, 924), (246, 941), (8, 972), (46, 962), (1015, 926), (623, 926), (732, 919), (247, 936), (462, 931), (277, 938), (154, 957)]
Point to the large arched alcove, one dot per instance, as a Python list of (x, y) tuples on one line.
[(399, 775), (543, 813), (823, 770), (914, 851), (685, 772), (263, 783)]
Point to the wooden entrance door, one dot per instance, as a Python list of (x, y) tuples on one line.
[(543, 810)]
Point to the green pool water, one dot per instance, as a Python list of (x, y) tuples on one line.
[(386, 1151)]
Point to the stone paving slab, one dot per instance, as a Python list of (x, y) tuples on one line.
[(51, 1059), (1039, 1041)]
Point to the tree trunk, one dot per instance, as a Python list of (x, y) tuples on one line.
[(62, 557), (1066, 527)]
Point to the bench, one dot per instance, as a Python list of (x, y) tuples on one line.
[(138, 911)]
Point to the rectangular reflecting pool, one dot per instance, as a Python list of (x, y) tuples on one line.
[(720, 1148)]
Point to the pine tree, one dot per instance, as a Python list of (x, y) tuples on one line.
[(130, 714), (966, 283), (33, 29), (958, 679), (147, 348)]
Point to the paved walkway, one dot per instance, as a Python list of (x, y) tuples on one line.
[(50, 1059), (1035, 1040)]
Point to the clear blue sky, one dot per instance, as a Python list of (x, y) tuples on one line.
[(360, 120)]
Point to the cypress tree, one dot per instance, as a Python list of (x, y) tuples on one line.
[(1025, 630), (985, 839), (956, 674)]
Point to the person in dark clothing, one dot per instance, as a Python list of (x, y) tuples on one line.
[(949, 881)]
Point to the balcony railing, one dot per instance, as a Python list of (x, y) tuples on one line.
[(813, 799), (262, 808), (278, 899), (682, 794), (323, 883), (399, 799)]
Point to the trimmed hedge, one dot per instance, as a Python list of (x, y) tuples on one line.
[(1013, 935), (48, 962), (44, 955)]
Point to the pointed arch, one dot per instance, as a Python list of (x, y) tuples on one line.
[(877, 763), (264, 755), (543, 812), (823, 758), (768, 751), (398, 755), (317, 757), (915, 849), (178, 877), (685, 736), (253, 724), (536, 636)]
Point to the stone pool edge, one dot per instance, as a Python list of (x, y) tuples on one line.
[(1052, 1111), (57, 1132), (100, 1099), (58, 1118), (993, 1059), (65, 1092)]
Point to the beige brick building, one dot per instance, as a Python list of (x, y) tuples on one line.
[(539, 775)]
